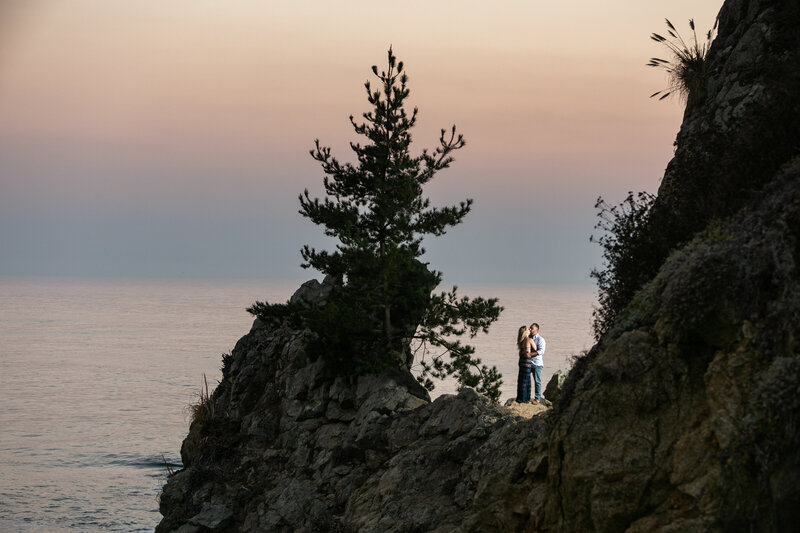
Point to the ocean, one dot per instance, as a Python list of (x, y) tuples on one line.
[(97, 376)]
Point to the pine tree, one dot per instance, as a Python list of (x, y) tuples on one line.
[(376, 210)]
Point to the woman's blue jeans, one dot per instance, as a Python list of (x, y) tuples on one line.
[(524, 381)]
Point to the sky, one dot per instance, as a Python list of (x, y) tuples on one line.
[(170, 139)]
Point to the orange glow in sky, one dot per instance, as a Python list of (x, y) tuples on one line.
[(194, 105)]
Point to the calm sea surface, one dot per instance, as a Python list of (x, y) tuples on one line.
[(96, 377)]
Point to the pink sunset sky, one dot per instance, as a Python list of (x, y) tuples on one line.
[(170, 139)]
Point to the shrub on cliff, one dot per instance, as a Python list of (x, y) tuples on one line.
[(376, 209), (629, 254)]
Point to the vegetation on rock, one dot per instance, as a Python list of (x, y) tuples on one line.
[(625, 235), (203, 409), (688, 68), (381, 311)]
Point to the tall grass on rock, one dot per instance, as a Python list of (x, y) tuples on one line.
[(203, 409), (688, 67)]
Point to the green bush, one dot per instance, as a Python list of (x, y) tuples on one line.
[(630, 260)]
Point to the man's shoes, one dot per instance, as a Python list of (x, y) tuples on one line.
[(535, 402)]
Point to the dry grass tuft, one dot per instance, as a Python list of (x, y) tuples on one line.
[(688, 67), (203, 409)]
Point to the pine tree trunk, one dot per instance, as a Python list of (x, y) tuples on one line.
[(387, 311)]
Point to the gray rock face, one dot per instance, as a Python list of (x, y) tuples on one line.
[(553, 389), (683, 418), (312, 291)]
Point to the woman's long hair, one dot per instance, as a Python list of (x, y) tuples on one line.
[(521, 336)]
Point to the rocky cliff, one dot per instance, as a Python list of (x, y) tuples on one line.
[(683, 418), (744, 125), (285, 446)]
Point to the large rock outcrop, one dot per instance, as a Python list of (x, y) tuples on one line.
[(285, 445), (683, 418)]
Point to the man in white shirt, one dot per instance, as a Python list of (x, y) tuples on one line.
[(538, 362)]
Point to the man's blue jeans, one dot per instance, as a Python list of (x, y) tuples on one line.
[(537, 378), (524, 381)]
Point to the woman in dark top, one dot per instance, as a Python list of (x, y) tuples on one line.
[(526, 348)]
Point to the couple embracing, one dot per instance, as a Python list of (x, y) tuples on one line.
[(531, 347)]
